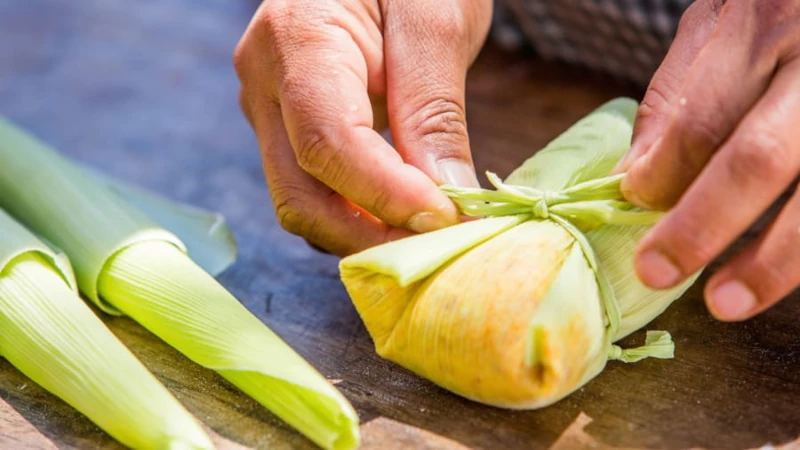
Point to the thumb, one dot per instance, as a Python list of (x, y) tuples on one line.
[(427, 54)]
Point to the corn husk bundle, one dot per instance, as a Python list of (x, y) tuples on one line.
[(522, 307), (128, 263), (53, 337)]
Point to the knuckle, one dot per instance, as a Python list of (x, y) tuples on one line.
[(691, 243), (768, 45), (441, 121), (694, 14), (382, 201), (769, 25), (656, 102), (689, 18), (769, 278), (649, 198), (290, 210), (772, 14), (697, 253), (697, 131), (761, 155), (298, 89), (312, 149), (700, 15), (264, 43), (271, 15), (278, 31), (318, 153), (698, 139), (449, 24), (775, 38)]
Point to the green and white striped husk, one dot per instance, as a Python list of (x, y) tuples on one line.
[(53, 337), (115, 247)]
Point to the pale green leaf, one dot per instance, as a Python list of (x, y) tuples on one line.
[(53, 337), (56, 200), (180, 303), (161, 288), (413, 258), (205, 234), (587, 150)]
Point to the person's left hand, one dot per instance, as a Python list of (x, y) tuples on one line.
[(717, 141)]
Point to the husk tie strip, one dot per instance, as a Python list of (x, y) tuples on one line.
[(588, 204)]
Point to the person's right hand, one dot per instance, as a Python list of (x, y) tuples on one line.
[(309, 69)]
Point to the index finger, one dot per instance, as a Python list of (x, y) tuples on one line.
[(724, 82), (660, 100), (306, 207), (325, 104)]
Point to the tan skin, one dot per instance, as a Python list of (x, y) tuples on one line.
[(712, 144)]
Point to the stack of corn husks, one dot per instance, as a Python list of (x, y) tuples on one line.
[(56, 217), (522, 307)]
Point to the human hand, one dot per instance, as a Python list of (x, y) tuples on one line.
[(715, 141), (309, 70)]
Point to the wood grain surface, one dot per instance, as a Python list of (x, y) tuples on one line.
[(146, 92)]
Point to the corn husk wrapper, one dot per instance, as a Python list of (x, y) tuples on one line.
[(521, 308), (127, 263), (205, 234), (53, 337)]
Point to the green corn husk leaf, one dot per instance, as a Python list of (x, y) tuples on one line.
[(614, 247), (205, 234), (51, 336), (520, 309), (59, 202), (156, 285), (112, 245), (589, 150)]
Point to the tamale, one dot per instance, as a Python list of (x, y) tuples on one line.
[(522, 307)]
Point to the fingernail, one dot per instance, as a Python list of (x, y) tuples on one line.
[(732, 300), (657, 270), (624, 163), (458, 173), (630, 186), (427, 221), (633, 156)]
